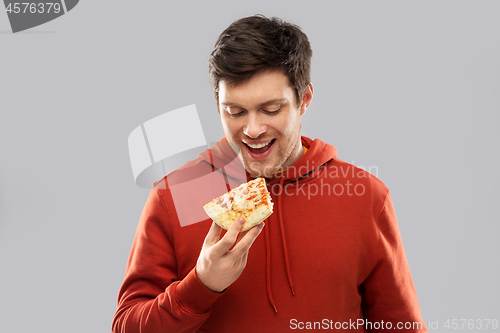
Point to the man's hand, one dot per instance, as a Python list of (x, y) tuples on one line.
[(217, 266)]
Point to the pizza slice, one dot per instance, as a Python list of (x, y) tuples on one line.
[(249, 200)]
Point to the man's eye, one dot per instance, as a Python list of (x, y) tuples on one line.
[(235, 113), (272, 111)]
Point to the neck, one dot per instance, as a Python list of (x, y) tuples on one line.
[(296, 154)]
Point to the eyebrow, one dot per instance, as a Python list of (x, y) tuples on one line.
[(272, 101)]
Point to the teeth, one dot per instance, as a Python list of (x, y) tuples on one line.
[(259, 145)]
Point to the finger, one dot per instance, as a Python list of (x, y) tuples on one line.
[(226, 242), (246, 242), (213, 234)]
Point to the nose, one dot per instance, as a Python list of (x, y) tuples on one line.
[(254, 126)]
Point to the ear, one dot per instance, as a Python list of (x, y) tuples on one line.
[(307, 98)]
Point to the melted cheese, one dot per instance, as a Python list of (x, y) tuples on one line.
[(255, 206)]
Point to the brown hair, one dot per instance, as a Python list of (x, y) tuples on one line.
[(255, 44)]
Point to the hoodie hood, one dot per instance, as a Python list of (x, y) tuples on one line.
[(222, 157)]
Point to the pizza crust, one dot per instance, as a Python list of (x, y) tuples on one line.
[(250, 200)]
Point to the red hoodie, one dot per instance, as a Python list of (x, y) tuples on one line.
[(329, 257)]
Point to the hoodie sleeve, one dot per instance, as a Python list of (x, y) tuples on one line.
[(151, 298), (388, 293)]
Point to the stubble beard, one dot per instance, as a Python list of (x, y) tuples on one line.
[(257, 169)]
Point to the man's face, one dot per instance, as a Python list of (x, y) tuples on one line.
[(261, 117)]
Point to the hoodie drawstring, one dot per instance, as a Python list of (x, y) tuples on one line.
[(283, 239), (285, 251), (268, 269)]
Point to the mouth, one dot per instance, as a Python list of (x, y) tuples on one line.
[(259, 150)]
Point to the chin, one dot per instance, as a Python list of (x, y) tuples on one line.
[(266, 171)]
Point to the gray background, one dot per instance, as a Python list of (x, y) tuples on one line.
[(409, 87)]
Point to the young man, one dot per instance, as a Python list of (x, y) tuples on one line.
[(330, 257)]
